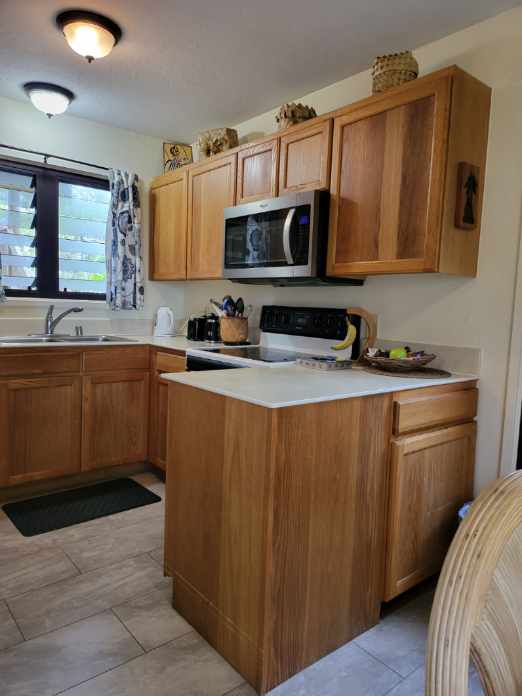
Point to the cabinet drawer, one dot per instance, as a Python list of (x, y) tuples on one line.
[(166, 362), (50, 362), (428, 411), (103, 359)]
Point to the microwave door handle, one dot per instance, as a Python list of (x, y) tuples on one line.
[(286, 237)]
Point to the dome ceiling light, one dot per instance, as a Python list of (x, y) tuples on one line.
[(49, 98), (89, 34)]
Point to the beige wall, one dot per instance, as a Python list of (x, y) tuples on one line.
[(437, 309), (22, 125)]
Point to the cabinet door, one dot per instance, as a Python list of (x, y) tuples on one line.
[(163, 362), (40, 428), (212, 188), (431, 477), (304, 161), (387, 185), (257, 171), (115, 418), (158, 421), (168, 215)]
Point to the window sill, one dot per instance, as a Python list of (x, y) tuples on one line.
[(25, 301)]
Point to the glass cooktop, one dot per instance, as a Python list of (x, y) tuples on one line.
[(260, 353)]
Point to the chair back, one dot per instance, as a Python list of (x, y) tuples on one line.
[(478, 603)]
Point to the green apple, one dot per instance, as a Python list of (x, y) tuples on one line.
[(398, 353)]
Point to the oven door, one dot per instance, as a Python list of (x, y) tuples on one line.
[(274, 238), (197, 364)]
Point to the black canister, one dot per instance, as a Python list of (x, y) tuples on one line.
[(212, 333), (196, 328)]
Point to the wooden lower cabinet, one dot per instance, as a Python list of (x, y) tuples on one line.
[(158, 421), (115, 418), (276, 541), (40, 428), (431, 477), (162, 363)]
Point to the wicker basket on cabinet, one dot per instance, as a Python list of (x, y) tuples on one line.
[(393, 70)]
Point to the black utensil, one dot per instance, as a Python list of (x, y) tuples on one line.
[(240, 306), (229, 306)]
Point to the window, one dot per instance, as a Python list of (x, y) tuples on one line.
[(52, 232)]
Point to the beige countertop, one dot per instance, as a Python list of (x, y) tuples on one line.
[(170, 342), (296, 385)]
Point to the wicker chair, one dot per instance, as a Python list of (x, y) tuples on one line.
[(478, 604)]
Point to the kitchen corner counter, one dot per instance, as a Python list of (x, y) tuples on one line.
[(177, 343), (295, 385)]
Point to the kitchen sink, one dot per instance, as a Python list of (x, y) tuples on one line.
[(64, 339)]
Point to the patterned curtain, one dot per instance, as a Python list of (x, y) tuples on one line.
[(123, 243)]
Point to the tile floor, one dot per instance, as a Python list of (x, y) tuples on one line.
[(85, 611)]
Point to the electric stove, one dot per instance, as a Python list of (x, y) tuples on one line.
[(287, 333)]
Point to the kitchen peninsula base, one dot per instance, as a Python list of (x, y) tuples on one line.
[(276, 525)]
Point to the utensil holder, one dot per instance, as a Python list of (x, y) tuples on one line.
[(234, 329)]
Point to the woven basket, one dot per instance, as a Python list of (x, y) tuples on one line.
[(399, 364), (393, 70)]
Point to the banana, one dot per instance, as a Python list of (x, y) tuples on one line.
[(351, 335)]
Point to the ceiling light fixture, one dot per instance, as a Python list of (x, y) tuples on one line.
[(49, 98), (90, 34)]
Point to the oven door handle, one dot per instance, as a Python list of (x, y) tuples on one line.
[(286, 237)]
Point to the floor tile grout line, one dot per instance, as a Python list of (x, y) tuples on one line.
[(83, 618), (146, 652), (105, 671), (121, 560), (37, 589), (111, 669), (54, 630), (381, 661), (128, 630), (386, 693), (40, 587), (24, 639), (238, 686), (161, 565), (145, 593), (74, 564)]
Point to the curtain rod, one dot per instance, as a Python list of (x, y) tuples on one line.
[(47, 156)]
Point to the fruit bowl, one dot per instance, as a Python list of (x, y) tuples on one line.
[(400, 364)]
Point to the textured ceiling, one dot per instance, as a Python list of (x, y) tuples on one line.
[(184, 65)]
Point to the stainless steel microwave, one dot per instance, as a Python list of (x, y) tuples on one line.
[(282, 237)]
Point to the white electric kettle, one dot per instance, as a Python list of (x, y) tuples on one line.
[(164, 322)]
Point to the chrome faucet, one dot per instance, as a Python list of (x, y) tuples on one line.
[(51, 322)]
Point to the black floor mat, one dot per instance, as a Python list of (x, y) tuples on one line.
[(58, 510)]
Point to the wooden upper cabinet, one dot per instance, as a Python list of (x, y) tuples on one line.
[(257, 167), (387, 183), (394, 181), (211, 189), (304, 159), (168, 215), (40, 428)]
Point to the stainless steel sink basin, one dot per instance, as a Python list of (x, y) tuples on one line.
[(64, 339)]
